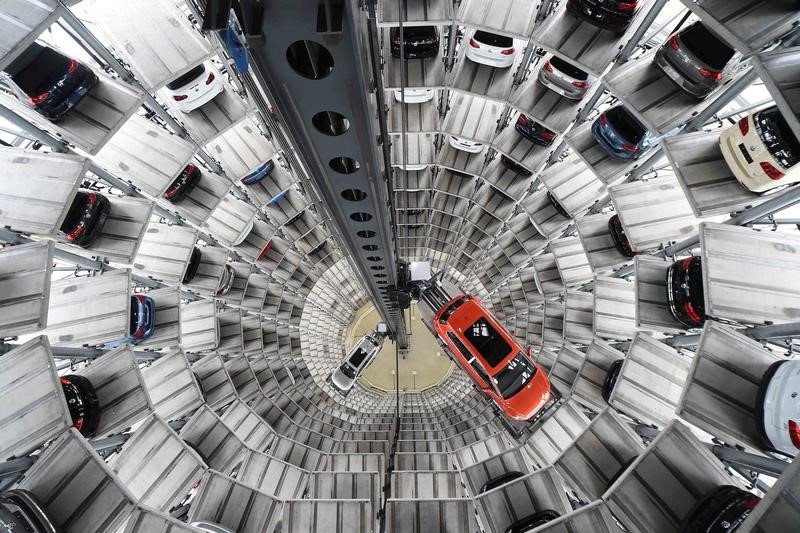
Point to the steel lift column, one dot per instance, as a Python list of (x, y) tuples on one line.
[(316, 57)]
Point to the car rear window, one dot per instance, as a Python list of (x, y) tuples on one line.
[(179, 82), (695, 278), (774, 132), (492, 39), (706, 46), (358, 357), (347, 370), (134, 315), (517, 373), (37, 68), (568, 69), (488, 341), (627, 126), (412, 33)]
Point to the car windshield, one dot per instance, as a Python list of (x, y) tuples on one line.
[(626, 125), (568, 69), (134, 315), (348, 370), (488, 341), (186, 78), (777, 137), (358, 357), (706, 46), (492, 39), (517, 373)]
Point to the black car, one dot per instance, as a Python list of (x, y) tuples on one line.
[(614, 15), (685, 292), (560, 208), (721, 511), (502, 479), (611, 378), (533, 131), (21, 512), (194, 263), (84, 407), (49, 81), (418, 41), (532, 521), (515, 167), (186, 181), (617, 232), (85, 219)]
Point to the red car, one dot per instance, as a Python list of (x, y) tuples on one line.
[(492, 358)]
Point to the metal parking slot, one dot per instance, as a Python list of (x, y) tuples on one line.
[(423, 12), (134, 30), (597, 243), (706, 179), (662, 485), (553, 324), (90, 311), (515, 18), (356, 462), (256, 292), (210, 270), (172, 386), (573, 184), (472, 117), (422, 118), (229, 221), (212, 119), (522, 151), (219, 447), (246, 424), (482, 80), (346, 486), (33, 409), (421, 516), (513, 460), (252, 341), (241, 149), (544, 216), (418, 73), (598, 454), (203, 199), (548, 278), (501, 507), (652, 302), (482, 450), (67, 479), (578, 317), (25, 272), (120, 389), (722, 385), (419, 149), (144, 519), (422, 461), (594, 517), (556, 434), (588, 387), (651, 381), (653, 212), (165, 251), (321, 516), (460, 160), (168, 331), (608, 169), (227, 502), (230, 330), (146, 155), (565, 368), (573, 265), (747, 24), (123, 231), (614, 308), (242, 376), (778, 70), (737, 262), (546, 107), (778, 509), (38, 189), (199, 326), (156, 465), (255, 244), (216, 382), (23, 21), (94, 120), (272, 476)]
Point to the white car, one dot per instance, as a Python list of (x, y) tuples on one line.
[(226, 281), (414, 96), (491, 49), (211, 527), (778, 408), (466, 145), (360, 357), (195, 88), (243, 235), (761, 151), (413, 167)]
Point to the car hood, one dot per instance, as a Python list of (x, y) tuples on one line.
[(531, 398)]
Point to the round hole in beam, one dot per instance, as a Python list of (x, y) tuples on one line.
[(309, 59), (366, 233), (377, 267), (379, 275), (374, 258), (370, 247), (362, 217), (344, 164), (354, 195), (330, 123)]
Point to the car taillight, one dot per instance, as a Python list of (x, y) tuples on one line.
[(744, 125), (547, 66), (603, 120), (547, 135), (687, 263), (630, 147), (772, 172), (794, 433), (627, 6), (474, 44), (691, 313), (39, 98), (139, 331), (172, 191), (72, 66), (64, 381), (77, 233), (522, 120), (508, 51), (673, 42), (265, 251), (210, 78), (79, 424), (92, 198), (580, 84), (179, 97), (711, 74)]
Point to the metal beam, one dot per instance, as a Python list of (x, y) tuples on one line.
[(757, 463), (759, 333)]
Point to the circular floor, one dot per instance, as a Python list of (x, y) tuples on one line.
[(423, 366)]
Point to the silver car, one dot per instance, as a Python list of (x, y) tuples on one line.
[(564, 78), (360, 357)]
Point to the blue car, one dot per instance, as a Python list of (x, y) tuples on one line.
[(621, 134), (261, 172), (235, 43), (143, 321)]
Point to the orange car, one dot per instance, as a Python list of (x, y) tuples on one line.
[(492, 358)]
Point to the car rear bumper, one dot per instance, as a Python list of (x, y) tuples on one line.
[(558, 86), (496, 60), (532, 137), (696, 89), (610, 20), (750, 177), (422, 51), (190, 104), (610, 148), (465, 148)]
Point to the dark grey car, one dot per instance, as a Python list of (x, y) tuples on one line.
[(697, 60)]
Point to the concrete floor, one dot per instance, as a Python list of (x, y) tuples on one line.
[(423, 366)]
